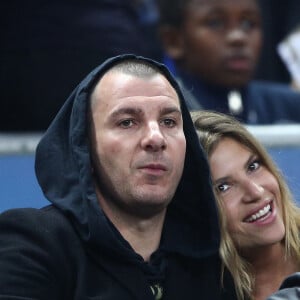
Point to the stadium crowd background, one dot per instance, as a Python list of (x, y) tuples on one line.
[(48, 46)]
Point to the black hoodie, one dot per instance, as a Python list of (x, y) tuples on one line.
[(76, 248)]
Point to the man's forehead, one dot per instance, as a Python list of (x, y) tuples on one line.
[(117, 84)]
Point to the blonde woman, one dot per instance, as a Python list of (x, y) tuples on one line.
[(260, 222)]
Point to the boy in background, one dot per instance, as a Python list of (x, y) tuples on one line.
[(213, 47)]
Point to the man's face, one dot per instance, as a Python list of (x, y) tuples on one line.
[(221, 40), (139, 142)]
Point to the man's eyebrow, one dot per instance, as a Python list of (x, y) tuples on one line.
[(170, 110), (138, 111), (126, 111)]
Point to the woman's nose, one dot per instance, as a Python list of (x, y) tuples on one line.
[(253, 191)]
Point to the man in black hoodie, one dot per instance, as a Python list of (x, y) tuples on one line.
[(132, 213)]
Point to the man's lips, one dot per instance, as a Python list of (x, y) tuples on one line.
[(159, 163), (158, 167)]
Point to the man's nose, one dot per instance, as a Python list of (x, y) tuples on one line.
[(153, 139)]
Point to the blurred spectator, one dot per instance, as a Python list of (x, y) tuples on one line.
[(48, 46), (279, 18), (289, 51), (213, 48)]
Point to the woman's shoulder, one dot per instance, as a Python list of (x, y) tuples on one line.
[(289, 289)]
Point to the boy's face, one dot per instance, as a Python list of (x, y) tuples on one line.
[(220, 40)]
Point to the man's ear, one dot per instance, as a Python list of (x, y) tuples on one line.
[(172, 41)]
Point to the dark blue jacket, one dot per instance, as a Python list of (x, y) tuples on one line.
[(262, 102)]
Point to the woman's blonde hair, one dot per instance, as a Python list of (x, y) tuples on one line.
[(213, 127)]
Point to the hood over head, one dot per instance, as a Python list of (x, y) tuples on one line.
[(63, 169)]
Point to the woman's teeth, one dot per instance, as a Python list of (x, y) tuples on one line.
[(262, 212)]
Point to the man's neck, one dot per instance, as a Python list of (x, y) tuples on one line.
[(142, 233)]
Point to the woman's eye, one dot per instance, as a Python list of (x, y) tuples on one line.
[(222, 187), (254, 165)]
